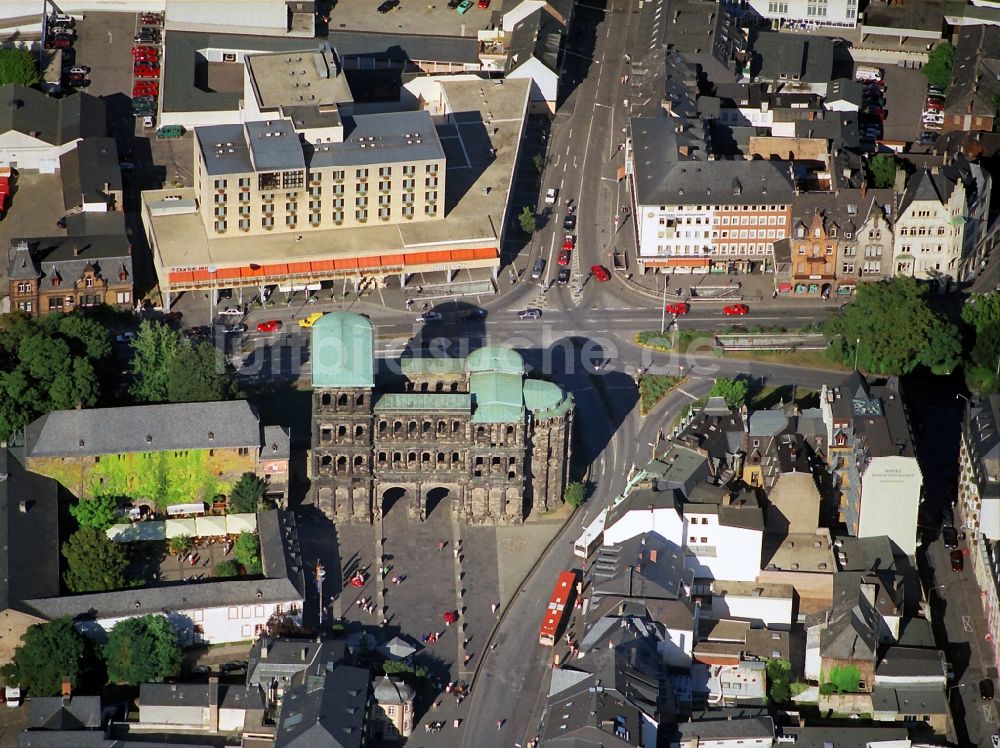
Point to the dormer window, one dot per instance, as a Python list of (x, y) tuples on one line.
[(56, 280), (123, 276), (89, 281)]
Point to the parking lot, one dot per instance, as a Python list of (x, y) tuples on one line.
[(411, 17), (905, 90)]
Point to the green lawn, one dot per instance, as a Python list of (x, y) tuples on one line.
[(769, 396), (812, 359)]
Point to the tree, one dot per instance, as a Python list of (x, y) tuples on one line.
[(938, 67), (94, 562), (247, 552), (882, 169), (17, 65), (169, 368), (48, 364), (734, 391), (982, 311), (246, 494), (100, 512), (891, 329), (779, 675), (50, 652), (180, 545), (574, 494), (199, 373), (142, 650), (845, 679), (538, 161), (153, 352), (527, 219), (227, 568)]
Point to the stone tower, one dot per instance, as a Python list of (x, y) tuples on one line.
[(343, 387)]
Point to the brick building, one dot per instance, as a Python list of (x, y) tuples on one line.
[(475, 430)]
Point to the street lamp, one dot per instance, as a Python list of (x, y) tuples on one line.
[(663, 309)]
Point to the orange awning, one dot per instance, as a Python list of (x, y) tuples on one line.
[(676, 262), (300, 267)]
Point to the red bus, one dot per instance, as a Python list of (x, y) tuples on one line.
[(559, 605)]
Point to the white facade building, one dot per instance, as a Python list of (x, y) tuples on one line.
[(890, 500), (808, 14), (766, 605)]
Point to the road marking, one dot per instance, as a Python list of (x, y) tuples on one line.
[(567, 150), (967, 623), (685, 392)]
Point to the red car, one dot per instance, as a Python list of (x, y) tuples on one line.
[(146, 58), (563, 257), (60, 43), (601, 273), (146, 88), (144, 72), (272, 325), (484, 4), (735, 310), (569, 242), (148, 52), (933, 105), (678, 309)]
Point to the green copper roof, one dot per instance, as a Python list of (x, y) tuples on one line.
[(425, 401), (342, 353), (546, 399), (432, 365), (497, 397), (496, 358)]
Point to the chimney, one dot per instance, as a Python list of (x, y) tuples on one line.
[(76, 250), (22, 506), (213, 703), (305, 653), (263, 649), (652, 556), (66, 690)]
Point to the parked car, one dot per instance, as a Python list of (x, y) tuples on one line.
[(199, 331), (58, 43), (484, 4), (957, 560), (569, 242), (601, 273), (475, 314), (529, 314), (79, 70), (146, 72), (231, 311), (452, 4), (927, 137), (233, 667), (271, 325), (151, 19), (78, 81), (563, 277), (387, 6), (149, 89), (538, 269), (429, 317), (62, 19), (735, 310), (551, 194), (564, 257), (678, 309), (986, 689), (569, 222), (170, 131), (201, 670), (125, 337), (307, 322), (950, 537), (238, 329), (463, 7)]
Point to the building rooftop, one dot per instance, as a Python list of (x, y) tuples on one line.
[(981, 431), (328, 710), (847, 736), (307, 77), (800, 551), (53, 121), (645, 566), (144, 428), (90, 172), (431, 402), (342, 351), (792, 58), (59, 713), (718, 729), (911, 662), (910, 700)]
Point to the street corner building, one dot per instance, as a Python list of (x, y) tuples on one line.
[(418, 430)]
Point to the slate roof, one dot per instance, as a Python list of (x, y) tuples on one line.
[(938, 184), (58, 713), (538, 36), (672, 168), (847, 736), (585, 715), (65, 259), (392, 691), (629, 570), (717, 729), (911, 662), (328, 710), (792, 57), (875, 413), (56, 121), (290, 658), (228, 424), (930, 700), (975, 72), (845, 89), (342, 351), (866, 554), (702, 31), (29, 540), (981, 430), (90, 172)]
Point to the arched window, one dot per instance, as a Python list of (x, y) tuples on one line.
[(381, 456), (440, 459), (439, 387), (359, 400), (426, 427), (397, 426), (382, 427), (397, 457), (425, 457), (359, 461), (359, 431), (480, 431), (455, 426), (454, 386), (325, 398), (411, 427), (342, 431), (442, 427), (423, 386), (455, 457), (341, 464), (342, 400), (411, 457), (325, 460)]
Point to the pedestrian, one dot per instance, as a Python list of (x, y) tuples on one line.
[(494, 607), (456, 552), (441, 545)]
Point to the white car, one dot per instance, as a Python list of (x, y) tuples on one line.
[(429, 317), (79, 70), (125, 337), (231, 311), (147, 123), (550, 196)]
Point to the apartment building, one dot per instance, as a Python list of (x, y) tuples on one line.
[(871, 456), (941, 219), (694, 213), (259, 177), (979, 469), (975, 84), (808, 14)]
